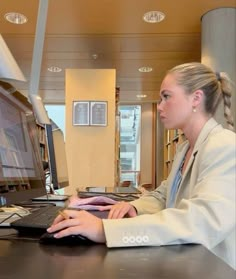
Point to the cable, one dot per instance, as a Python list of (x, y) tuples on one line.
[(10, 216), (25, 210)]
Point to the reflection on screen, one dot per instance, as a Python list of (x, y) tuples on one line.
[(15, 150), (20, 162)]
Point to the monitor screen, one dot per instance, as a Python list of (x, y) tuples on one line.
[(21, 170), (57, 157)]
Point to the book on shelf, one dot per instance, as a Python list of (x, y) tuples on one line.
[(167, 136), (168, 152)]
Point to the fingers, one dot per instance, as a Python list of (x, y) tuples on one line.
[(73, 201), (65, 228), (58, 219), (79, 222), (132, 212), (119, 210), (105, 207), (61, 217), (122, 209)]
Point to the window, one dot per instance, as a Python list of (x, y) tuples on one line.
[(57, 114), (130, 143)]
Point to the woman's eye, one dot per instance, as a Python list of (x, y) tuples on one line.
[(166, 96)]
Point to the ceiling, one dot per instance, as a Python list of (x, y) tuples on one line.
[(102, 34)]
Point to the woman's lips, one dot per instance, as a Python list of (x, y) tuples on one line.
[(162, 117)]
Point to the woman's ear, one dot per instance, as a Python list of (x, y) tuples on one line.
[(197, 97)]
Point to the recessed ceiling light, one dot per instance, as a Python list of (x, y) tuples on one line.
[(141, 96), (16, 18), (54, 69), (94, 56), (145, 69), (153, 16)]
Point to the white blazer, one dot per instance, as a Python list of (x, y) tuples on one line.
[(204, 210)]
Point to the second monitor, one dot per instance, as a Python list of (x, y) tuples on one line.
[(57, 157), (57, 163)]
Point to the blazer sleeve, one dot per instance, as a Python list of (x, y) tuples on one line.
[(151, 202)]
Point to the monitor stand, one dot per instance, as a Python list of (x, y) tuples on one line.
[(51, 196)]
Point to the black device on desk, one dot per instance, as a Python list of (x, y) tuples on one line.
[(116, 193), (113, 190), (22, 176), (57, 166), (38, 221), (71, 240), (21, 170)]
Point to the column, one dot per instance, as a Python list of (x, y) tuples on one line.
[(219, 47)]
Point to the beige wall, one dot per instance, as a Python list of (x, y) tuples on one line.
[(90, 150)]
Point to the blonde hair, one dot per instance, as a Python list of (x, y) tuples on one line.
[(216, 86)]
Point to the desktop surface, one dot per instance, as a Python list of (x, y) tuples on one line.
[(97, 261)]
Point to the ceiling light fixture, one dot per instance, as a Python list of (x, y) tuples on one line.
[(145, 69), (153, 17), (15, 18), (94, 56), (54, 69), (141, 96)]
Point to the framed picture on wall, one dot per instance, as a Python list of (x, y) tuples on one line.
[(98, 113), (80, 113)]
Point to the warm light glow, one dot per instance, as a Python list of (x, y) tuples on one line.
[(141, 96), (16, 18), (153, 17), (54, 69), (145, 69)]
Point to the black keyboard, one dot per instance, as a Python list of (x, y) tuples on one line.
[(38, 221)]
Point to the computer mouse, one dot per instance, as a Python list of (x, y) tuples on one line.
[(48, 238)]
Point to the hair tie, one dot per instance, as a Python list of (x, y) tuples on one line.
[(218, 77)]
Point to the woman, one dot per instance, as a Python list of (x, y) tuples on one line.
[(196, 204)]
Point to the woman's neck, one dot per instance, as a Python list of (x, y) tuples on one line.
[(192, 130)]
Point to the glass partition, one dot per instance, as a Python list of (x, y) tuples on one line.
[(130, 116)]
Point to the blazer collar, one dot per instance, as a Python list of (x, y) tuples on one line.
[(207, 128)]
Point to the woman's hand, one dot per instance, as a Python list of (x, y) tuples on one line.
[(78, 222), (73, 201), (122, 209)]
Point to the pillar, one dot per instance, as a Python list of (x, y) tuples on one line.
[(219, 48)]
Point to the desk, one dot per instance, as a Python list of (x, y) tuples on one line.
[(21, 259)]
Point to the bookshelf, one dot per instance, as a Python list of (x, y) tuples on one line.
[(117, 138), (40, 127), (172, 139)]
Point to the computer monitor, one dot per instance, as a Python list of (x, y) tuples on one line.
[(21, 170), (57, 157)]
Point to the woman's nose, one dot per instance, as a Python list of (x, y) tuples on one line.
[(159, 106)]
